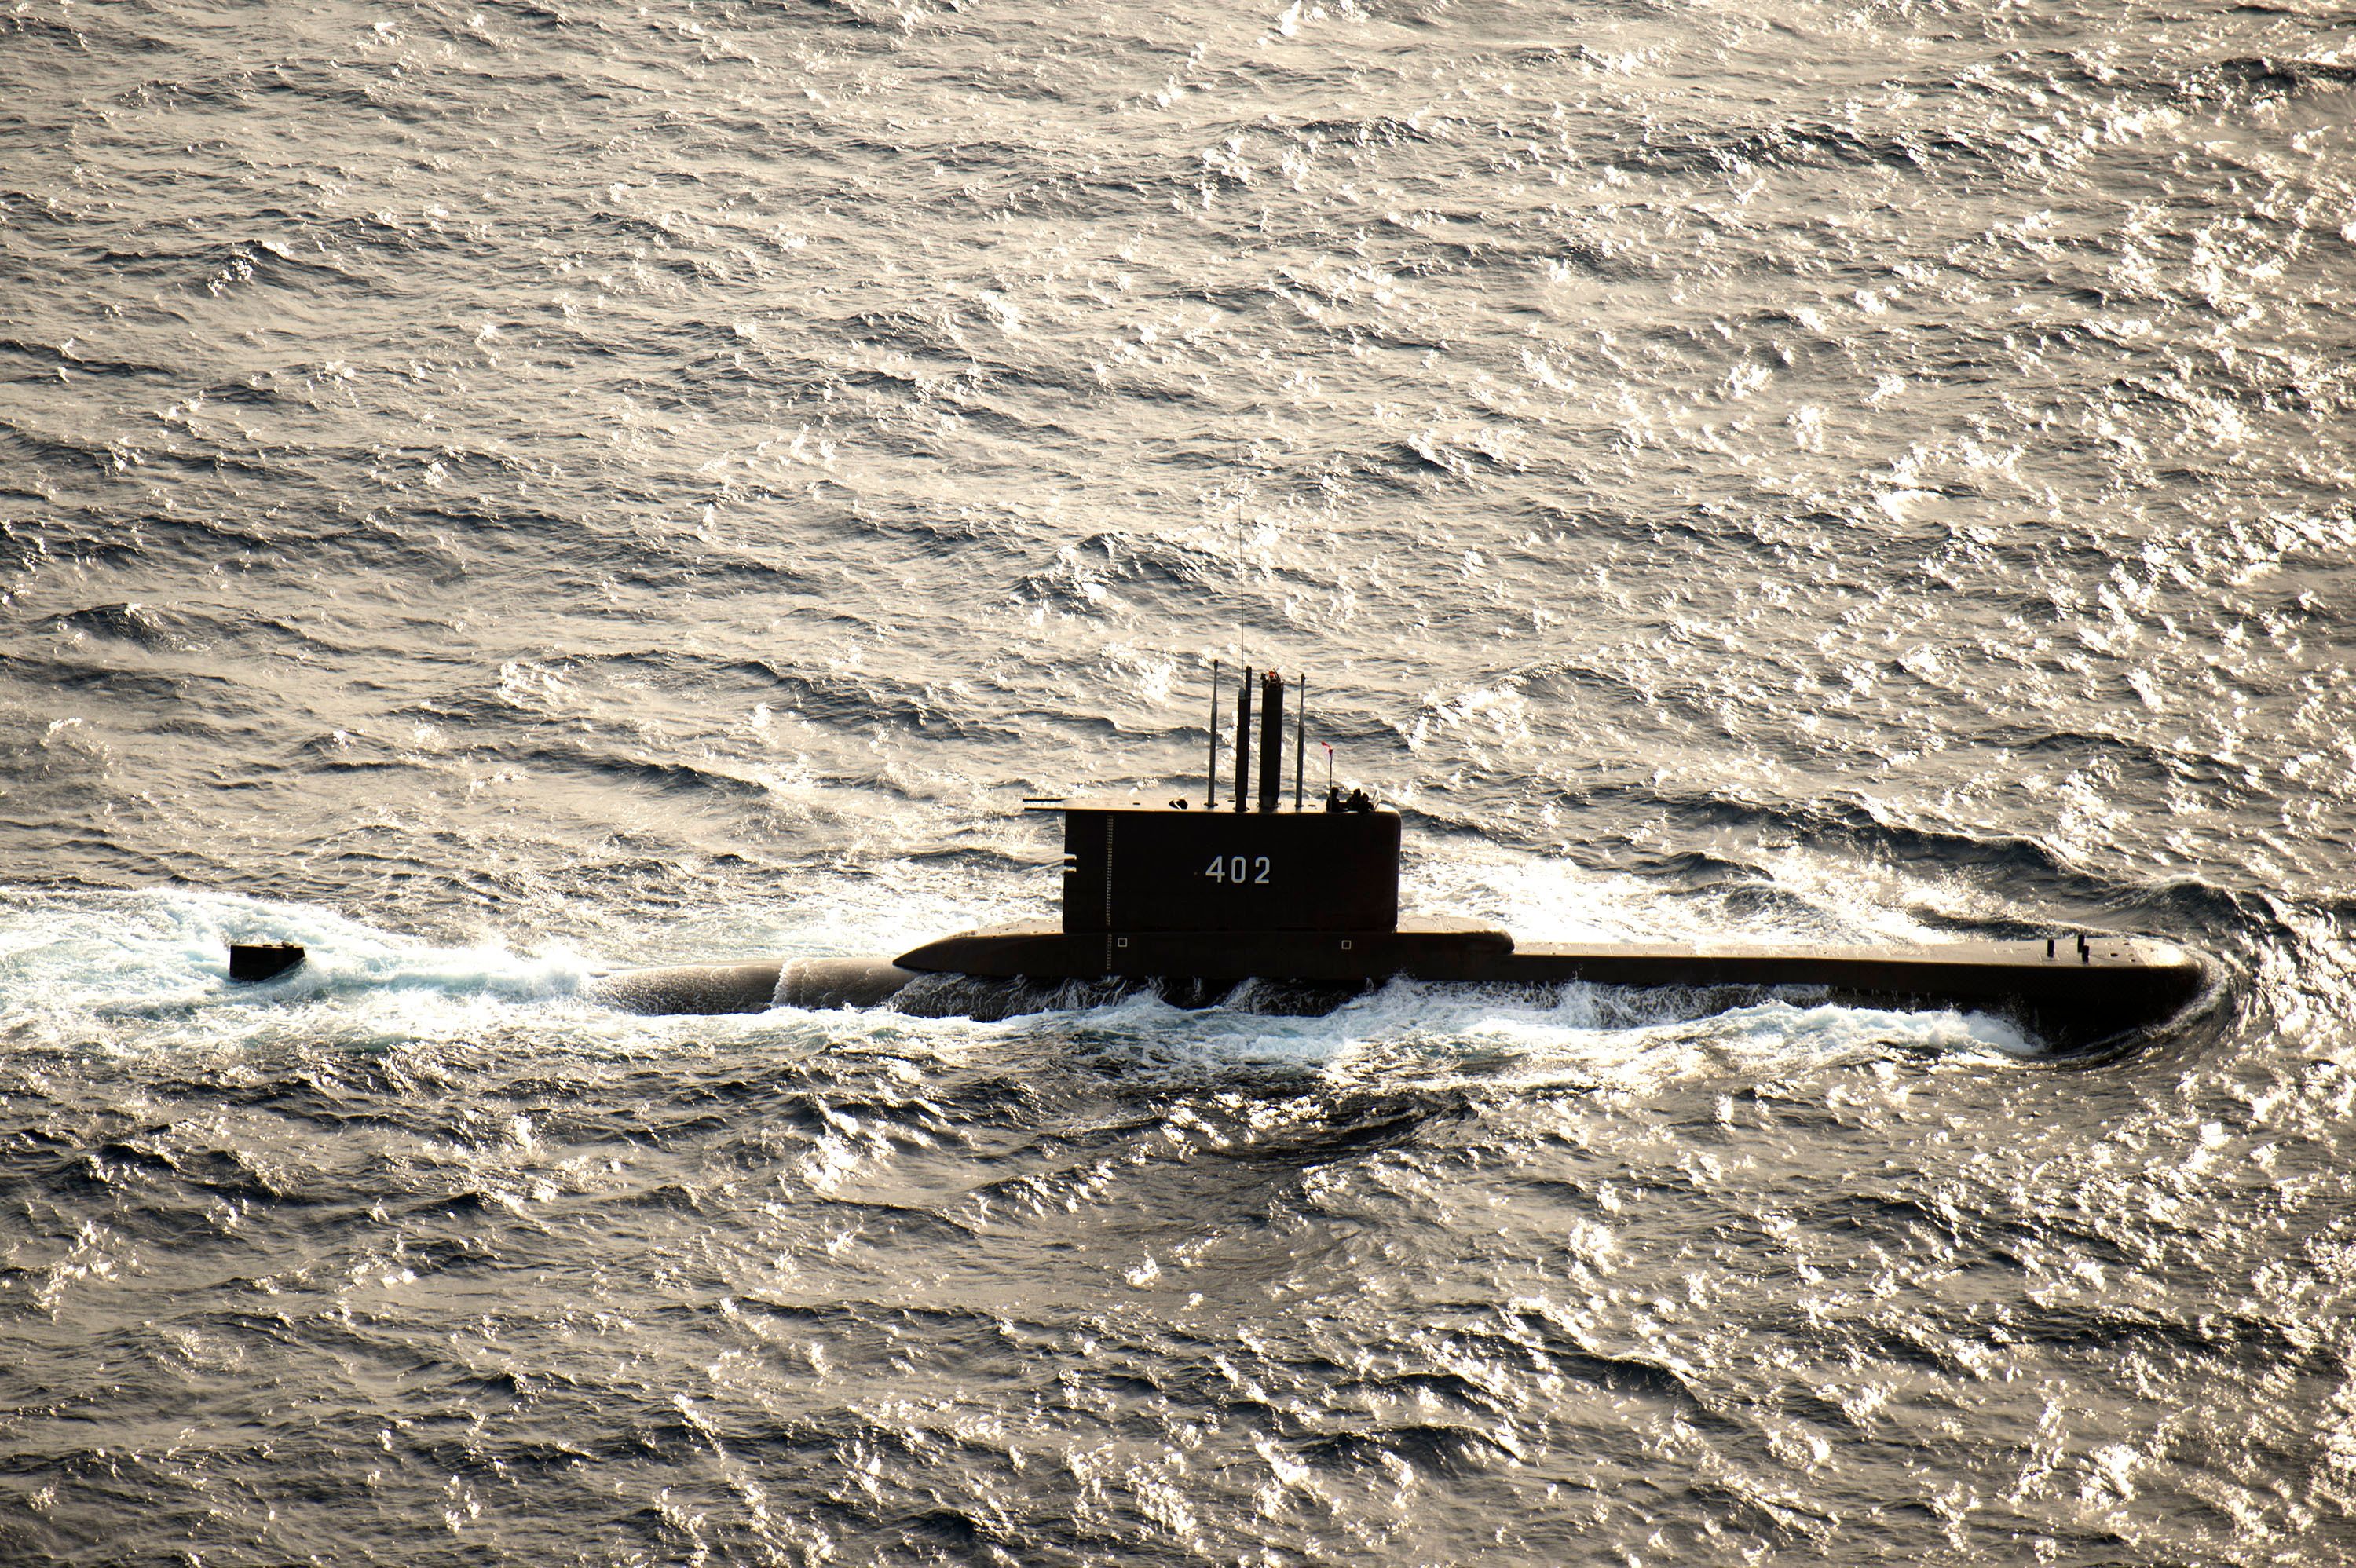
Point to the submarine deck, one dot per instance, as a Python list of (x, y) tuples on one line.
[(2109, 985), (2070, 994)]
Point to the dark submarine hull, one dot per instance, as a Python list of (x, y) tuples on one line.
[(2070, 994), (1192, 902)]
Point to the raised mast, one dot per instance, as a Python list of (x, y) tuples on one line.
[(1272, 739), (1300, 738), (1243, 742), (1211, 767)]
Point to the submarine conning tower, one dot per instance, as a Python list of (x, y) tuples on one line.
[(1225, 891), (1134, 865)]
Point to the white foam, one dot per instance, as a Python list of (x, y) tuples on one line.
[(123, 968), (149, 970), (1409, 1032)]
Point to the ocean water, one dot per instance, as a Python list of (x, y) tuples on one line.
[(495, 492)]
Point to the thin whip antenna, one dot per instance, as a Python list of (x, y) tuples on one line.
[(1241, 615)]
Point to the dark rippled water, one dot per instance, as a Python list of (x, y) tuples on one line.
[(493, 492)]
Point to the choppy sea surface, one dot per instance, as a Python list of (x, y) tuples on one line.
[(500, 491)]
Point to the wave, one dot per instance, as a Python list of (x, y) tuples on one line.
[(149, 970)]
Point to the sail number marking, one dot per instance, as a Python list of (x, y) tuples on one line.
[(1239, 869)]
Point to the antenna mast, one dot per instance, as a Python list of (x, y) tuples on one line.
[(1211, 782), (1243, 743), (1300, 738), (1272, 739)]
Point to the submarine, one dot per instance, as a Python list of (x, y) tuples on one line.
[(1193, 900)]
